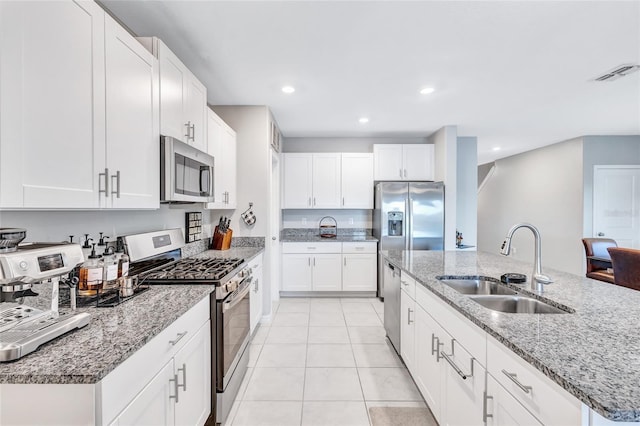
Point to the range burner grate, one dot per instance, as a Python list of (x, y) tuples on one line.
[(194, 269)]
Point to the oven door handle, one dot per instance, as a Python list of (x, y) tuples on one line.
[(231, 303)]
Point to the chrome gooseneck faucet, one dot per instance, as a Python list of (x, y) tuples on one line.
[(538, 279)]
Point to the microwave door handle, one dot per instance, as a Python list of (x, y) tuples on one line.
[(204, 179)]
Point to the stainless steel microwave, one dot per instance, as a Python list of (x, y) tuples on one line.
[(186, 173)]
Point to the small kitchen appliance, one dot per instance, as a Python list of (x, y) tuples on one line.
[(23, 328), (186, 173), (156, 259)]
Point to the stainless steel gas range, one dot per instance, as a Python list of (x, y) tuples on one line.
[(161, 263)]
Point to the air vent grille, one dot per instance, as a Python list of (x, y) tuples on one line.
[(617, 72)]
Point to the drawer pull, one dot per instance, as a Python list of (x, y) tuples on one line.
[(409, 310), (184, 377), (454, 365), (404, 283), (514, 379), (175, 388), (435, 349), (311, 248), (178, 338), (485, 413), (359, 248)]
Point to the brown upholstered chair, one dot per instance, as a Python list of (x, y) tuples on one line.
[(626, 266), (597, 269)]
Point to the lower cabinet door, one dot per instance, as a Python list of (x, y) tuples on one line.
[(503, 409), (359, 272), (296, 272), (327, 272), (154, 405), (193, 369), (464, 384), (428, 370), (256, 298), (407, 330)]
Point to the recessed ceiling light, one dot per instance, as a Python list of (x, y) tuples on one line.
[(427, 90), (496, 148), (288, 89), (363, 120)]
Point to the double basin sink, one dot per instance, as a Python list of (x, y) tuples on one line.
[(493, 295)]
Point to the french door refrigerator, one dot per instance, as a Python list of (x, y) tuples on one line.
[(407, 216)]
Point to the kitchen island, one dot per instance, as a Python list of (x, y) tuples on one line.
[(80, 369), (592, 352)]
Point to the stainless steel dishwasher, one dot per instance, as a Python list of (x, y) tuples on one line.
[(391, 278)]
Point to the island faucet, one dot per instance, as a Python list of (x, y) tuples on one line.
[(538, 279)]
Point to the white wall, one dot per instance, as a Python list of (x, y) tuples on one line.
[(58, 225), (467, 189), (361, 144), (445, 141), (605, 150), (543, 187)]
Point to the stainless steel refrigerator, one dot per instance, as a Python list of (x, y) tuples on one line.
[(406, 216)]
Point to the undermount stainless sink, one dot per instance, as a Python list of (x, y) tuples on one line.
[(516, 305), (476, 285)]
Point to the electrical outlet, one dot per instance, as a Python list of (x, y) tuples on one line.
[(304, 220), (350, 221)]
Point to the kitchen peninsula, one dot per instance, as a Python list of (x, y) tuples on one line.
[(589, 352)]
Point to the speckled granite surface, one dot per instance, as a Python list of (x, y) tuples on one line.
[(593, 353), (113, 334), (304, 235), (247, 242)]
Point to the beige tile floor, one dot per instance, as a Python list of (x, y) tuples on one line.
[(322, 362)]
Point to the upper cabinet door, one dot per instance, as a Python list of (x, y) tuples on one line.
[(229, 155), (173, 80), (388, 162), (215, 131), (418, 162), (196, 113), (326, 181), (52, 104), (357, 181), (132, 107), (297, 185)]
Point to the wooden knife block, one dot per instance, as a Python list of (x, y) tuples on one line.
[(221, 241)]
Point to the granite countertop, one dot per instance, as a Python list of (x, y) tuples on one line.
[(88, 354), (593, 353), (312, 235)]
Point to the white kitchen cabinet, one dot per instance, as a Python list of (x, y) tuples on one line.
[(359, 266), (222, 145), (413, 162), (256, 292), (427, 370), (407, 330), (357, 181), (296, 272), (326, 272), (52, 108), (132, 120), (297, 181), (183, 98), (80, 94), (505, 410), (326, 186)]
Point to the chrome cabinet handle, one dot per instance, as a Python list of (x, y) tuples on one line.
[(409, 310), (454, 365), (600, 234), (485, 414), (514, 379), (178, 338), (309, 261), (314, 201), (309, 202), (404, 283), (188, 126), (257, 285), (405, 172), (175, 388), (117, 177), (106, 182), (184, 378), (193, 132), (314, 261), (345, 261), (400, 173)]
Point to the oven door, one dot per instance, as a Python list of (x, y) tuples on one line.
[(233, 332)]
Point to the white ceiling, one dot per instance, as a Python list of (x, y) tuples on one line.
[(518, 75)]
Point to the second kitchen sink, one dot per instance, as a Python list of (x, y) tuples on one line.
[(477, 285), (516, 305)]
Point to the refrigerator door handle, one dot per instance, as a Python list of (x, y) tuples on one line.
[(410, 223)]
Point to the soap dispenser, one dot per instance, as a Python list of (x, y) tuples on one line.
[(123, 261), (110, 268), (86, 247), (91, 274)]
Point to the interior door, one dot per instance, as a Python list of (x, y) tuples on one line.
[(616, 204)]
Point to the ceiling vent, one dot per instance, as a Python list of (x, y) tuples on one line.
[(617, 72)]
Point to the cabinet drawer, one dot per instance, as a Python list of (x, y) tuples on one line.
[(120, 386), (363, 247), (311, 247), (408, 284), (471, 337), (551, 404)]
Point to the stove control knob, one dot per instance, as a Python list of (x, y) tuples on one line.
[(23, 265)]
